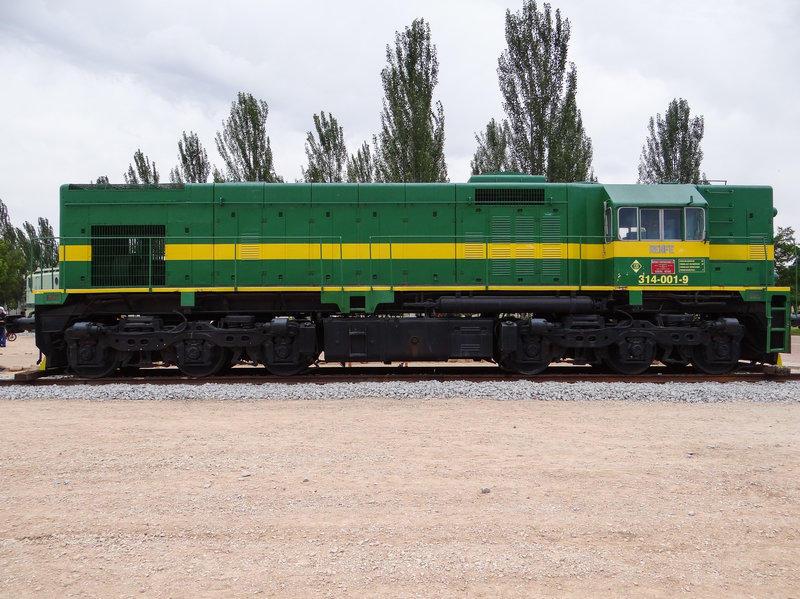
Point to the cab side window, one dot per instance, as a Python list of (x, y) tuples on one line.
[(628, 220), (672, 224), (651, 225), (695, 224), (662, 224)]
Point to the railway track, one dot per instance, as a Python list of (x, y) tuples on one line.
[(362, 374)]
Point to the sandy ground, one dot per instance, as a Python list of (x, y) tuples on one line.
[(18, 355), (380, 498)]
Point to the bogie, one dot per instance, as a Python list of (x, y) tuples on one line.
[(518, 344)]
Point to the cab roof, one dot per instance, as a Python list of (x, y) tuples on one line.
[(655, 195)]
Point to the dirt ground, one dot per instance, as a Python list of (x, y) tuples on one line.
[(388, 498)]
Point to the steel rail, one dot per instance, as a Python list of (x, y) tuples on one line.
[(360, 374)]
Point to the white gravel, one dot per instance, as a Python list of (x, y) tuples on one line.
[(783, 392)]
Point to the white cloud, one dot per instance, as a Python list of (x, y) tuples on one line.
[(88, 82)]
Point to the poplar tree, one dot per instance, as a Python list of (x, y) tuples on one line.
[(39, 245), (410, 146), (141, 171), (494, 149), (193, 165), (671, 152), (48, 244), (538, 86), (243, 142), (326, 152), (361, 166)]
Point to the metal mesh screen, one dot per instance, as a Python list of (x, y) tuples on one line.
[(509, 197), (128, 255)]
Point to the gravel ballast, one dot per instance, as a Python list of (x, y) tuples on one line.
[(782, 392)]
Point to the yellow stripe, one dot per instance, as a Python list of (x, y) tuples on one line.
[(741, 252), (641, 249), (683, 249), (586, 251), (74, 253), (377, 251), (199, 251), (443, 251)]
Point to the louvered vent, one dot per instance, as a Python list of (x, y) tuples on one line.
[(249, 251)]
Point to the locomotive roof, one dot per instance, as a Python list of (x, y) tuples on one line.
[(655, 195)]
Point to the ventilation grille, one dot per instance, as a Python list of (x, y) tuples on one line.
[(249, 251), (128, 255), (509, 197), (758, 252), (551, 248)]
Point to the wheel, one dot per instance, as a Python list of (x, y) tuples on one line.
[(198, 358), (92, 363), (632, 354), (527, 368), (720, 357), (11, 337), (290, 351), (536, 356), (303, 361)]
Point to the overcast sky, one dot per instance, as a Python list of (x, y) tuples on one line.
[(86, 83)]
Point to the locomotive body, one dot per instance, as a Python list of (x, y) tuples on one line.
[(505, 267)]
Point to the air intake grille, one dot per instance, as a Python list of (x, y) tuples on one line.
[(509, 197), (128, 255)]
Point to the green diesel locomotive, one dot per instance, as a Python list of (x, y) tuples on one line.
[(505, 268)]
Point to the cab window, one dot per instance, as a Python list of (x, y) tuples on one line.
[(695, 224), (628, 220), (662, 224), (671, 224), (651, 223)]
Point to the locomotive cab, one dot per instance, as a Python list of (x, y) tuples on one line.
[(656, 235)]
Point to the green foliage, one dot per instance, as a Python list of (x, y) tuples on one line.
[(144, 171), (38, 245), (326, 152), (786, 261), (12, 274), (22, 251), (570, 155), (243, 142), (361, 166), (102, 180), (539, 86), (193, 166), (410, 146), (218, 176), (671, 153), (494, 150)]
